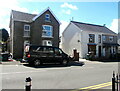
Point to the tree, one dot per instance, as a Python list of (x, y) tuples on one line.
[(4, 35), (3, 39)]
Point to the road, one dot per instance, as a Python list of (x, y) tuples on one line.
[(75, 76)]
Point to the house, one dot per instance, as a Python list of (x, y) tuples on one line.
[(25, 28), (89, 38), (119, 42)]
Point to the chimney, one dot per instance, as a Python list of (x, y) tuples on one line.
[(104, 25)]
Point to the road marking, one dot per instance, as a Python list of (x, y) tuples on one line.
[(22, 72), (94, 87)]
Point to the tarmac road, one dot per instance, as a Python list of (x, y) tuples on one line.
[(75, 76)]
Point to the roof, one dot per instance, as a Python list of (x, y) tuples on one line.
[(92, 27), (26, 17), (44, 12), (21, 16)]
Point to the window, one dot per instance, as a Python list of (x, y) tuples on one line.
[(111, 38), (48, 50), (26, 42), (99, 38), (27, 30), (26, 45), (47, 17), (47, 43), (104, 38), (91, 38), (58, 51), (47, 31)]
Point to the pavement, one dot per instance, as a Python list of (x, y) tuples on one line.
[(15, 62)]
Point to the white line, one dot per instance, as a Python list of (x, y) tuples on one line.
[(22, 72)]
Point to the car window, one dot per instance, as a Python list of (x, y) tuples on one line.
[(37, 49), (48, 50), (58, 51)]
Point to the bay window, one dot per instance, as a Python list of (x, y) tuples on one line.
[(47, 31)]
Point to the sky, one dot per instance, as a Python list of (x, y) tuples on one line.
[(98, 13)]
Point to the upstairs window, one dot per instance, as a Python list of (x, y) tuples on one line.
[(91, 38), (26, 30), (111, 38), (47, 31), (47, 17), (99, 38), (104, 38)]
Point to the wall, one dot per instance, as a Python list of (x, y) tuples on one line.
[(70, 38), (18, 39), (36, 37)]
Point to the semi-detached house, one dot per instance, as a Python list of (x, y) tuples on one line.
[(89, 38), (41, 29)]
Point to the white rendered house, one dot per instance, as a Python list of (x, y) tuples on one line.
[(86, 38)]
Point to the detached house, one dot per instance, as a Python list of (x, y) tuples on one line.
[(89, 38), (41, 29)]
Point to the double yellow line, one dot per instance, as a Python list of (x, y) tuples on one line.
[(94, 87)]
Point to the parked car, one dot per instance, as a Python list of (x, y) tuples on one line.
[(5, 56), (37, 55)]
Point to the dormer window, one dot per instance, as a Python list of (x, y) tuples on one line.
[(47, 17)]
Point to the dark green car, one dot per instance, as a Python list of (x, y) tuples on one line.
[(37, 55)]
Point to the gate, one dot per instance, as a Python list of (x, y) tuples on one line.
[(116, 82)]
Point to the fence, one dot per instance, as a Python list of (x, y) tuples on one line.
[(116, 82)]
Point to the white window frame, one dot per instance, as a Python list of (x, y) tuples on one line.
[(103, 38), (99, 38), (51, 30), (26, 47), (91, 38), (47, 44), (26, 30), (47, 17)]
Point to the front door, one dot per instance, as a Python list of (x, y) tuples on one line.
[(99, 51), (92, 49)]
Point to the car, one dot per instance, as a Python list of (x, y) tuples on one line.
[(37, 55)]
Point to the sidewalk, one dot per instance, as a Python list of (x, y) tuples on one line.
[(83, 60), (14, 62)]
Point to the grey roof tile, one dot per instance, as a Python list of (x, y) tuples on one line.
[(92, 27), (21, 16)]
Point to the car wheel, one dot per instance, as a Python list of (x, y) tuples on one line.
[(65, 62), (37, 62)]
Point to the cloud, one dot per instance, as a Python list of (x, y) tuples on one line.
[(5, 10), (70, 6), (35, 12), (63, 25), (114, 25), (68, 12)]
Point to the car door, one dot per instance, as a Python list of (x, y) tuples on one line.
[(48, 54), (58, 55)]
